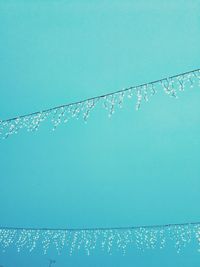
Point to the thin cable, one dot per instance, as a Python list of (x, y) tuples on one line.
[(100, 96), (102, 228)]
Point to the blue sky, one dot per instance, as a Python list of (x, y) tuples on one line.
[(137, 168)]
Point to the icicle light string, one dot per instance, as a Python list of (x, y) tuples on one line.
[(108, 239), (110, 101)]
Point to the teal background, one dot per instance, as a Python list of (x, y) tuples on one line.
[(137, 168)]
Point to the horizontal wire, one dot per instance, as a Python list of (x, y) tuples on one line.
[(102, 228), (100, 96)]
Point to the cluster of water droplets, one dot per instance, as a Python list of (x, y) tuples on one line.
[(171, 86), (111, 240)]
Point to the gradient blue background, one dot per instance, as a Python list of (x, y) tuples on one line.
[(136, 168)]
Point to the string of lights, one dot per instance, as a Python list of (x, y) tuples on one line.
[(110, 101), (108, 239)]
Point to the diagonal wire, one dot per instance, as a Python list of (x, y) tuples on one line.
[(100, 96), (103, 228)]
